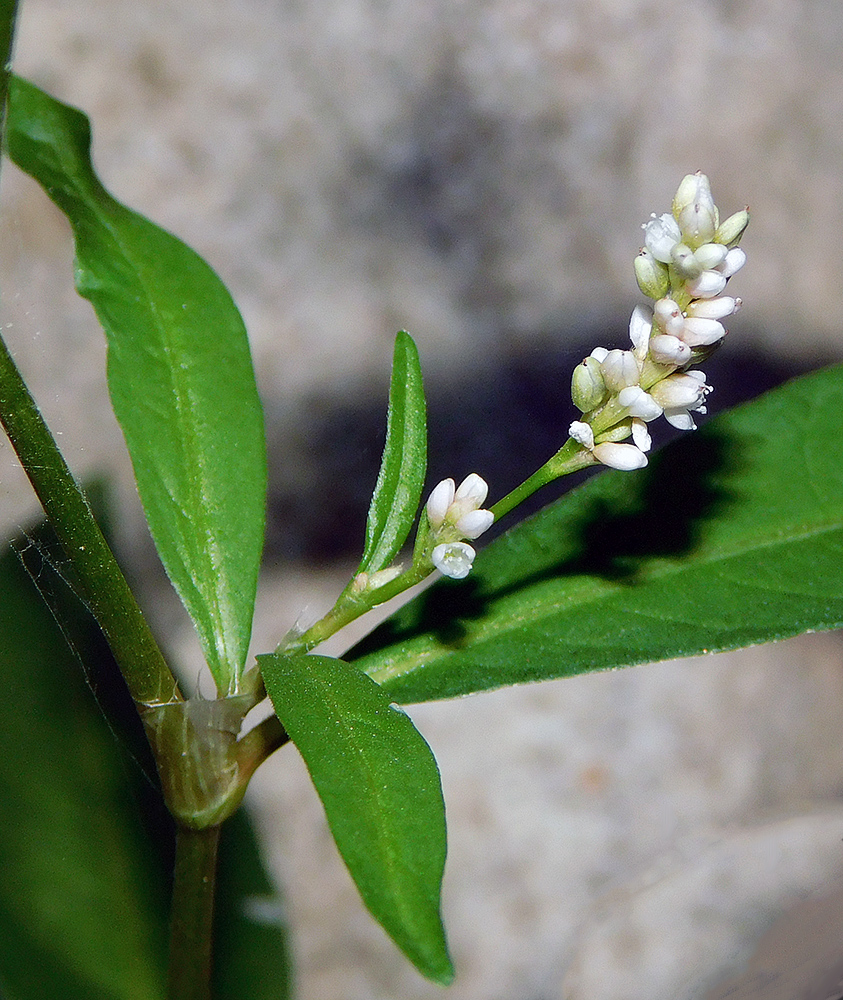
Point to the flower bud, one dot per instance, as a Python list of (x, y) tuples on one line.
[(473, 488), (685, 261), (685, 391), (707, 285), (699, 332), (731, 231), (620, 369), (639, 403), (719, 308), (625, 457), (735, 260), (441, 498), (667, 350), (694, 210), (652, 275), (473, 523), (587, 387), (668, 317), (710, 255)]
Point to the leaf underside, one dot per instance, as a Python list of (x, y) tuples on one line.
[(180, 377)]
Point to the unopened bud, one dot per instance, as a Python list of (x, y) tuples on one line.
[(588, 389), (695, 211), (620, 369), (652, 275), (732, 229)]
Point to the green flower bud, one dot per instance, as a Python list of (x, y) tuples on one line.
[(652, 275), (587, 387), (732, 229)]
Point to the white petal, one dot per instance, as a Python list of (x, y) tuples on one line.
[(668, 350), (599, 353), (453, 559), (473, 488), (619, 370), (679, 391), (440, 499), (735, 260), (474, 523), (620, 456), (719, 308), (582, 433), (640, 326), (639, 403), (681, 419), (640, 435), (660, 236), (710, 255), (698, 332), (709, 284)]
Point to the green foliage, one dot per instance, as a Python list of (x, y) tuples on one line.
[(83, 903), (401, 477), (84, 841), (379, 784), (731, 536), (180, 377)]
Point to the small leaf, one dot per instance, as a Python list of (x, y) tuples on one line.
[(732, 536), (401, 477), (379, 784), (180, 377)]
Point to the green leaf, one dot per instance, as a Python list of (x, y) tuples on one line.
[(250, 935), (732, 536), (180, 377), (379, 784), (401, 477), (83, 899)]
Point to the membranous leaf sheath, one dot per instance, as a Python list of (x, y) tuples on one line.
[(180, 377)]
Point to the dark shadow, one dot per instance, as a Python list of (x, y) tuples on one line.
[(656, 514)]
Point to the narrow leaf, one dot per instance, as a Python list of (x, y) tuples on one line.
[(401, 477), (379, 784), (180, 377), (732, 536)]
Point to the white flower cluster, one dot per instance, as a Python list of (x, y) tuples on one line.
[(687, 259), (454, 515)]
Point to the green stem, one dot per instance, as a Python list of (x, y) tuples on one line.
[(104, 587), (192, 919), (571, 457)]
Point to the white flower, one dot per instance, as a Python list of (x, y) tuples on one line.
[(458, 507), (616, 456), (694, 209), (439, 502), (639, 404), (625, 457), (640, 327), (619, 369), (661, 234), (453, 559), (680, 394), (668, 350)]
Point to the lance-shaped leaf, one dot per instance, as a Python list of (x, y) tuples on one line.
[(732, 536), (379, 784), (180, 377), (401, 477)]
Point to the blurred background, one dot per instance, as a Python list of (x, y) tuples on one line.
[(477, 173)]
